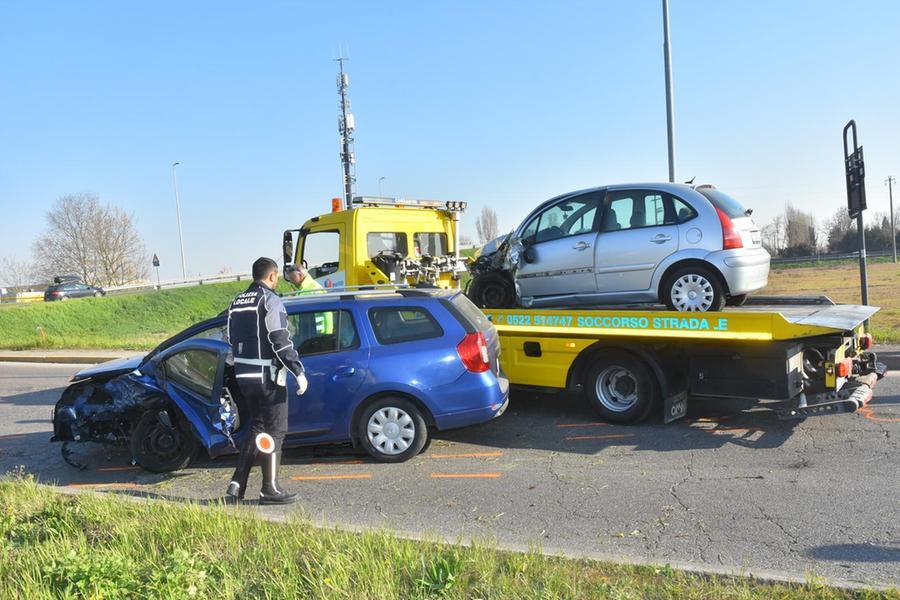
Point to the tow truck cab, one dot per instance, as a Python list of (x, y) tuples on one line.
[(380, 241)]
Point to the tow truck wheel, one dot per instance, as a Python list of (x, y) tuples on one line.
[(392, 430), (492, 290), (620, 387), (693, 289), (159, 445)]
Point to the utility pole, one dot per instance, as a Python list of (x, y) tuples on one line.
[(890, 181), (346, 125), (178, 213), (670, 109)]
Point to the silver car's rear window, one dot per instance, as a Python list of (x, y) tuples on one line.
[(724, 202)]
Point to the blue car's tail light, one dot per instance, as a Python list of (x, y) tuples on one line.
[(473, 352)]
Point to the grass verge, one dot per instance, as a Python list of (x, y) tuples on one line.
[(97, 546), (133, 322)]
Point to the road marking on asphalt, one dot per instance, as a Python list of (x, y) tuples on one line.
[(582, 424), (611, 436), (337, 462), (467, 455), (330, 477), (867, 413), (116, 469), (465, 475), (103, 485)]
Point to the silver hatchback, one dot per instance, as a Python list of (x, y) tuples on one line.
[(692, 248)]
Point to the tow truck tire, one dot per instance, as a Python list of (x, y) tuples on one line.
[(401, 424), (709, 294), (492, 290), (160, 448), (620, 387)]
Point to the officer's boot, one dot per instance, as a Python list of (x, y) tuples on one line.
[(271, 492), (237, 487)]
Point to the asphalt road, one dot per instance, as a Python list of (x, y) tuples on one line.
[(729, 486)]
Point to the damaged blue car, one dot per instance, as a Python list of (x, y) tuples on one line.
[(385, 369)]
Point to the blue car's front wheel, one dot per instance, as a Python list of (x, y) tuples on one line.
[(392, 429), (159, 445)]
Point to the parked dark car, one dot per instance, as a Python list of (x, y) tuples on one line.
[(67, 290), (384, 369)]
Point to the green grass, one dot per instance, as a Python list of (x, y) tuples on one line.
[(99, 546), (135, 321)]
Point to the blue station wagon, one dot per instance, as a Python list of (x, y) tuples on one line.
[(384, 368)]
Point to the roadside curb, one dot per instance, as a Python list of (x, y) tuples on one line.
[(321, 523)]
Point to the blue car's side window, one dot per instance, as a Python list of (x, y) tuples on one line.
[(396, 324), (194, 370), (323, 331)]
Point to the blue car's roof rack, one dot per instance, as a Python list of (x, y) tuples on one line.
[(354, 291)]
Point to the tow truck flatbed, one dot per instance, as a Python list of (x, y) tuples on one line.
[(812, 355)]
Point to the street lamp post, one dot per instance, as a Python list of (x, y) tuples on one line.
[(890, 183), (178, 213), (670, 109), (380, 179)]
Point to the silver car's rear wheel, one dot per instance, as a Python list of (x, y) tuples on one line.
[(692, 292), (693, 289)]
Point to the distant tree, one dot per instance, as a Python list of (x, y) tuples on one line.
[(486, 225), (96, 242), (16, 273)]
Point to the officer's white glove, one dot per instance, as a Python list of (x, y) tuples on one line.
[(302, 384)]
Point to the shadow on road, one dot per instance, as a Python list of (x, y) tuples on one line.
[(565, 422)]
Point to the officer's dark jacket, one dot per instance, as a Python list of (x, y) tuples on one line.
[(258, 333)]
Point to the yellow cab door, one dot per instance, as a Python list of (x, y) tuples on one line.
[(320, 249)]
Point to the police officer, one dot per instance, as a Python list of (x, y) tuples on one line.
[(264, 356)]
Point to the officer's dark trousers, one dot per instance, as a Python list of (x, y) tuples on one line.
[(269, 411)]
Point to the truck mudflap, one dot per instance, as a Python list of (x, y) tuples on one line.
[(848, 399)]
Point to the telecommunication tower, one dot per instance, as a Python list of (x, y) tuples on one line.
[(346, 125)]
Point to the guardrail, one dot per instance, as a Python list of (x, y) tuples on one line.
[(783, 260), (27, 297), (147, 286)]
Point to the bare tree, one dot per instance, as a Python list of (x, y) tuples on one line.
[(16, 273), (799, 228), (486, 225), (98, 243), (120, 252)]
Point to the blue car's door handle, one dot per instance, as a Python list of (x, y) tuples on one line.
[(343, 372)]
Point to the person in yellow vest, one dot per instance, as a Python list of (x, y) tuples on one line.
[(303, 283)]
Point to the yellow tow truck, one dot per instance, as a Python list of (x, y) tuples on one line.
[(380, 242), (810, 355)]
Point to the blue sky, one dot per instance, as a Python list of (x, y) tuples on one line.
[(502, 104)]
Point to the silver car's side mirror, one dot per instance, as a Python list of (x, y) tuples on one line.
[(529, 255)]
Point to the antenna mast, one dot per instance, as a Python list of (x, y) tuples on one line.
[(346, 125)]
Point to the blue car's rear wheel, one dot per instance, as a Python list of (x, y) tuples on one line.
[(160, 445), (392, 429)]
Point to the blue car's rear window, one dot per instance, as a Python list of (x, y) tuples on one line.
[(396, 324)]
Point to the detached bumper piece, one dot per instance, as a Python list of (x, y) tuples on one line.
[(850, 398)]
